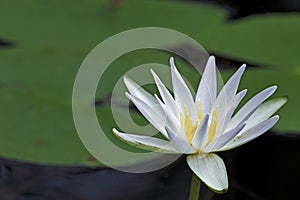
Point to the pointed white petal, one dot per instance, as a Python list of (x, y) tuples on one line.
[(138, 91), (172, 122), (207, 90), (153, 113), (247, 110), (201, 133), (235, 102), (211, 169), (265, 111), (162, 105), (225, 113), (223, 139), (182, 93), (146, 142), (251, 134), (226, 99), (225, 120), (221, 104), (231, 86), (180, 143), (166, 96)]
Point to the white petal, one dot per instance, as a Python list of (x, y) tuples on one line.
[(223, 139), (230, 110), (146, 142), (172, 122), (162, 105), (207, 90), (247, 110), (153, 113), (265, 111), (235, 102), (166, 96), (231, 86), (201, 133), (251, 134), (227, 98), (138, 91), (211, 169), (182, 93), (180, 143)]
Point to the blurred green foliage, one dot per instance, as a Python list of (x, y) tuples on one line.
[(51, 39)]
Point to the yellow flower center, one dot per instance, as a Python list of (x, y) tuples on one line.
[(190, 128)]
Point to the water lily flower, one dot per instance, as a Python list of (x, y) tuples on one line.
[(202, 125)]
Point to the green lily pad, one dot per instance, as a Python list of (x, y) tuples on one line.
[(270, 40)]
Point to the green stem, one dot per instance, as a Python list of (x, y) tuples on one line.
[(195, 188)]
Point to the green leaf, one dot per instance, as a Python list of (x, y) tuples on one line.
[(270, 40)]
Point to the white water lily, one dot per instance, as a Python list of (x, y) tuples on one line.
[(202, 125)]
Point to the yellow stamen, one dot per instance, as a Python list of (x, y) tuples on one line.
[(187, 124), (189, 128), (199, 111), (213, 126)]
